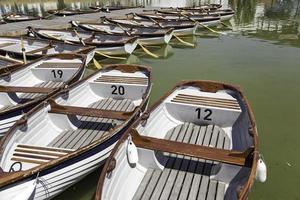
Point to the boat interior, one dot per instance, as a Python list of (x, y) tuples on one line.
[(33, 46), (76, 118), (85, 36), (133, 20), (37, 79), (112, 28), (188, 122)]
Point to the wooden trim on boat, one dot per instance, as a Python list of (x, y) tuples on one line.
[(90, 112), (26, 89), (202, 152), (44, 148)]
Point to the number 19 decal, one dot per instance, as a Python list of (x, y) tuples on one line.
[(207, 114), (57, 74)]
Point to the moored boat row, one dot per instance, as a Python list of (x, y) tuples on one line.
[(198, 141)]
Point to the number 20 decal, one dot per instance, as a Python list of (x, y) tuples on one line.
[(118, 90), (207, 113), (57, 73)]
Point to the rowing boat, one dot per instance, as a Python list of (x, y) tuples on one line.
[(113, 8), (69, 12), (199, 141), (146, 35), (37, 48), (8, 64), (208, 20), (25, 87), (104, 43), (68, 136), (10, 18), (205, 7), (181, 28), (225, 14)]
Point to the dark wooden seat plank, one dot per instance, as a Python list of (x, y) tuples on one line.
[(92, 128)]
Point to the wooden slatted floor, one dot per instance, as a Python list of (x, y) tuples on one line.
[(92, 128), (49, 84), (185, 177)]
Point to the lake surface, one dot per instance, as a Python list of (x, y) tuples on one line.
[(261, 54)]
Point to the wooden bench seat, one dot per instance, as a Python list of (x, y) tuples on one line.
[(207, 101), (92, 128), (205, 108), (37, 154), (186, 177), (58, 65), (123, 79), (48, 84)]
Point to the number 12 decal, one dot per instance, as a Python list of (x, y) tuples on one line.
[(59, 73), (207, 113)]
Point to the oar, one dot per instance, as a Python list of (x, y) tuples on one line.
[(148, 52), (183, 42), (80, 38), (99, 29), (12, 59), (97, 64), (226, 25), (203, 25), (23, 51), (125, 31), (153, 20), (108, 56), (57, 38), (50, 15)]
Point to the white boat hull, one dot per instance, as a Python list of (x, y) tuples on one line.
[(210, 23), (54, 183), (226, 17), (156, 40), (185, 31), (89, 57), (126, 49)]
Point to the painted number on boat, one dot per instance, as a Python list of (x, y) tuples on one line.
[(207, 114), (57, 73), (118, 90)]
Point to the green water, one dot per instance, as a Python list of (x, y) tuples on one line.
[(262, 55)]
